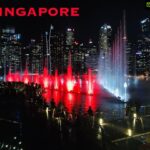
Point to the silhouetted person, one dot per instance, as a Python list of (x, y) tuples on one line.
[(90, 111), (53, 104)]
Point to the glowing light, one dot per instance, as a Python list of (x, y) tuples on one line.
[(69, 29), (26, 81), (69, 101), (62, 81), (70, 86), (20, 143), (65, 82), (99, 130), (99, 137), (56, 82), (10, 79), (10, 76), (116, 93), (6, 146), (90, 87), (125, 85), (101, 121), (134, 115), (26, 77), (129, 132), (47, 112), (45, 83)]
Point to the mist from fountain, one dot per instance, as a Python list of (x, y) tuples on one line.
[(113, 72)]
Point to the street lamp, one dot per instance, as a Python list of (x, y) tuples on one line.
[(48, 47)]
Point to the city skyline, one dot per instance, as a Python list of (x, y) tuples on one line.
[(92, 16)]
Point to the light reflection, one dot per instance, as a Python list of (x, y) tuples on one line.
[(71, 101), (47, 113), (57, 97), (134, 115), (47, 95), (90, 101), (101, 121), (138, 122), (129, 132)]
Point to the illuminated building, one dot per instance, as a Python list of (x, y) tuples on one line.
[(69, 46), (145, 28), (36, 56), (131, 58), (105, 49), (91, 56), (143, 57), (79, 58), (58, 51), (10, 52), (143, 49)]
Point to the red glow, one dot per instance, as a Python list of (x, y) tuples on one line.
[(69, 101), (70, 86), (9, 77), (47, 95), (26, 78), (69, 78), (46, 82), (57, 97), (63, 82), (45, 78), (72, 101), (36, 78), (90, 101), (90, 84), (17, 77), (56, 80)]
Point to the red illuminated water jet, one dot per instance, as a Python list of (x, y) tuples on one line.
[(62, 82), (9, 77), (26, 78), (17, 77), (90, 82), (56, 80), (69, 78), (36, 78), (45, 78)]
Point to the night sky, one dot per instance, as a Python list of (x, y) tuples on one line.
[(93, 14)]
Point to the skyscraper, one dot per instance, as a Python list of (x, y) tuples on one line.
[(69, 45), (105, 50), (57, 51), (145, 28), (10, 50), (36, 56), (143, 49), (91, 56)]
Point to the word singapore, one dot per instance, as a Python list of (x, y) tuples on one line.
[(39, 12)]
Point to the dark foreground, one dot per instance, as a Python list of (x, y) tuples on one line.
[(27, 122)]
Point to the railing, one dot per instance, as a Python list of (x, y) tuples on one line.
[(113, 114)]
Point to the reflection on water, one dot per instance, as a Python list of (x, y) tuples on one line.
[(76, 102), (72, 101)]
